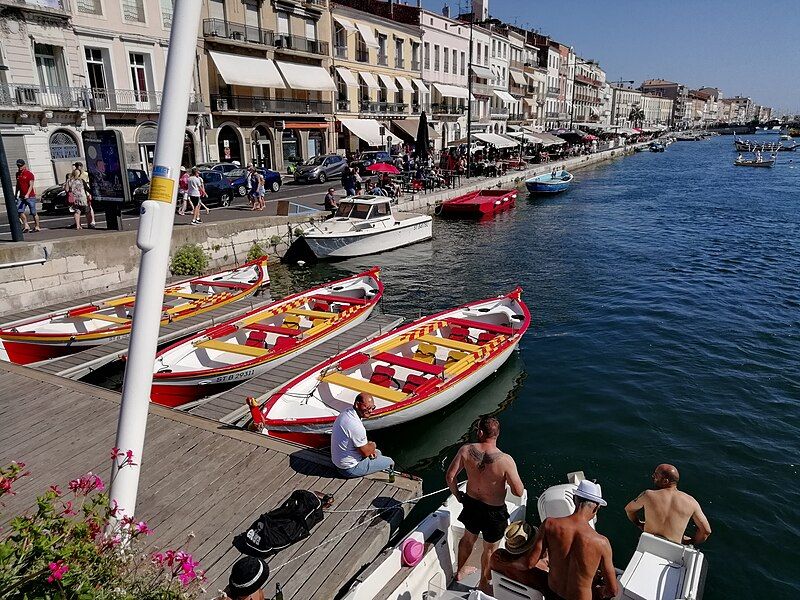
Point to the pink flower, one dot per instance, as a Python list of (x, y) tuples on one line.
[(55, 489), (86, 484), (115, 453), (157, 558), (68, 509), (141, 527), (5, 485), (129, 456), (57, 571), (114, 510), (187, 578)]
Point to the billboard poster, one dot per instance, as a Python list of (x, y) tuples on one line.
[(105, 164)]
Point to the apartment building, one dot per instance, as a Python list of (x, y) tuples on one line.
[(678, 93), (517, 82), (738, 110), (657, 110), (501, 101), (536, 75), (588, 96), (551, 58), (71, 65), (623, 101)]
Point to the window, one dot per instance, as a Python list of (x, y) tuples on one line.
[(251, 16), (494, 48), (138, 76), (463, 63), (90, 7), (311, 29), (166, 13), (455, 62), (49, 65), (382, 54), (398, 50), (436, 57), (216, 9), (446, 60), (96, 68), (63, 145), (133, 10), (427, 52), (283, 23)]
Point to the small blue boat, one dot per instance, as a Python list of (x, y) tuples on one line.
[(549, 183)]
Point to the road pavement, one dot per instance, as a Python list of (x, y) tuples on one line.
[(58, 225)]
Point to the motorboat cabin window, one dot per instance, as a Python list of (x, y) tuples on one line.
[(344, 209), (381, 210), (353, 210)]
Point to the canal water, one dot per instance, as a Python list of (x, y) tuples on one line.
[(665, 292)]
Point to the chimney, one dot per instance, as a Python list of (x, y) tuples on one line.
[(446, 11)]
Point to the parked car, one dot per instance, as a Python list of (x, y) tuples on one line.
[(320, 168), (222, 167), (217, 186), (369, 158), (54, 198), (238, 180), (292, 163)]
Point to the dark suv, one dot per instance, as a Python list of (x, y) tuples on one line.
[(54, 198), (372, 157)]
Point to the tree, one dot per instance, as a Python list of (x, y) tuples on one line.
[(636, 116)]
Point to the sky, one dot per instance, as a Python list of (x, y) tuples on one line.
[(745, 47)]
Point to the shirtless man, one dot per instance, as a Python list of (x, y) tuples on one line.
[(488, 472), (576, 551), (667, 510)]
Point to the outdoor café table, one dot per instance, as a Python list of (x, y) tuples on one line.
[(452, 178)]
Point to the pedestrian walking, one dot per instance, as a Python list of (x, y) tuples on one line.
[(78, 197), (196, 191), (349, 181), (85, 177), (183, 191), (26, 196)]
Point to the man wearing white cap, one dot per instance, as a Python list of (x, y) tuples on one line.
[(576, 551)]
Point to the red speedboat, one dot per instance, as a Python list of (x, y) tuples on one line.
[(480, 204)]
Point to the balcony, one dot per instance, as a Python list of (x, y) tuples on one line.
[(551, 114), (35, 96), (383, 59), (417, 108), (300, 44), (383, 108), (51, 8), (516, 64), (444, 110), (587, 80), (343, 105), (416, 65), (553, 91), (482, 89), (340, 52), (220, 30), (497, 112), (252, 104), (516, 117), (399, 63)]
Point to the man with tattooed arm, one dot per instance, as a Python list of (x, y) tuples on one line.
[(488, 472)]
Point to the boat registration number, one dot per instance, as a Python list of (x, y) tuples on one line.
[(235, 376)]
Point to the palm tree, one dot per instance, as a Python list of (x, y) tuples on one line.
[(636, 116)]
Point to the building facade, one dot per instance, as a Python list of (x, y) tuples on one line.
[(588, 92), (678, 93), (623, 102)]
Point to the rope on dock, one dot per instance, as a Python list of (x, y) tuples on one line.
[(409, 501)]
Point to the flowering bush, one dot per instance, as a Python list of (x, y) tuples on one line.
[(66, 549)]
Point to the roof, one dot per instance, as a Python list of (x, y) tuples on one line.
[(658, 82), (367, 199)]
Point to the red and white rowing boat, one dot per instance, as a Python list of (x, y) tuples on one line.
[(410, 372), (74, 329), (252, 344), (480, 204)]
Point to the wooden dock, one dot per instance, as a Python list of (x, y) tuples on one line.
[(197, 476), (230, 405)]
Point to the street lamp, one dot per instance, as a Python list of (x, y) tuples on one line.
[(472, 23)]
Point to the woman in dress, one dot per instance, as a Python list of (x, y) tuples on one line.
[(78, 195)]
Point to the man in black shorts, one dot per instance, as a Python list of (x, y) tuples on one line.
[(489, 470)]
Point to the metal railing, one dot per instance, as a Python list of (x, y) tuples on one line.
[(47, 97), (218, 28), (44, 5), (301, 44), (383, 107), (497, 112), (516, 64), (553, 90), (482, 89), (343, 105), (516, 117), (447, 109), (116, 100), (268, 105)]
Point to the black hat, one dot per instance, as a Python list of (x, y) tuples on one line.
[(20, 162), (248, 574)]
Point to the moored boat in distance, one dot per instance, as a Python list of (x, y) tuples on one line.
[(550, 183), (758, 161), (79, 327), (412, 371), (366, 225), (658, 570), (248, 346), (479, 204), (748, 146)]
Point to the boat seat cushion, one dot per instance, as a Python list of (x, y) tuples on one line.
[(425, 353), (320, 305), (486, 337), (257, 339), (341, 299), (459, 334), (409, 363), (292, 322), (413, 382), (284, 343), (503, 329), (382, 375), (454, 356)]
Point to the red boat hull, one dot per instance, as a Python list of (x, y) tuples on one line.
[(177, 395), (24, 353), (478, 205)]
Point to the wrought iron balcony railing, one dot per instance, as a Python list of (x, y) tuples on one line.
[(218, 28), (383, 107), (255, 104)]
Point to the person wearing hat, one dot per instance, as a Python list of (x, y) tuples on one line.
[(667, 510), (513, 560), (26, 196), (248, 576), (575, 551)]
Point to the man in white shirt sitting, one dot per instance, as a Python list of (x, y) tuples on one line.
[(352, 453)]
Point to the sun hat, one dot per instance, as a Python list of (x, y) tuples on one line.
[(183, 169), (520, 536), (248, 575), (411, 552), (588, 490)]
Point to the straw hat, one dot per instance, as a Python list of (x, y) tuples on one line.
[(520, 536)]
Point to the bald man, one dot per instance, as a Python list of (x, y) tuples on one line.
[(667, 510)]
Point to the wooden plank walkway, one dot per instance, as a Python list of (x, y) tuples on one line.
[(230, 405), (197, 476), (80, 364)]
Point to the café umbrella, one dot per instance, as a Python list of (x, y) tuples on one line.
[(383, 168), (423, 139)]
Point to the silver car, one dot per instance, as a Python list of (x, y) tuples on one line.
[(320, 168)]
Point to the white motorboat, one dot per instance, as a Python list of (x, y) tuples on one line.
[(658, 570), (366, 225)]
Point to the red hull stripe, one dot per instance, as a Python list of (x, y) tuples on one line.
[(225, 284), (482, 326)]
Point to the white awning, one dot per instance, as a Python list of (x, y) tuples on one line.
[(388, 81), (519, 78), (369, 80), (451, 91), (247, 70), (530, 102), (346, 23), (499, 141), (528, 138), (368, 130), (368, 34), (482, 72), (347, 76), (550, 140), (405, 84), (504, 96), (307, 77), (421, 86)]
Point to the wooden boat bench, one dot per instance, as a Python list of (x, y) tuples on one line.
[(409, 363), (109, 318), (339, 299), (315, 314), (359, 385), (232, 348), (274, 329), (448, 343), (502, 329)]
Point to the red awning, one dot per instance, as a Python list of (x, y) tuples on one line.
[(306, 126)]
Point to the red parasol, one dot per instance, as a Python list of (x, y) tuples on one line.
[(383, 168)]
